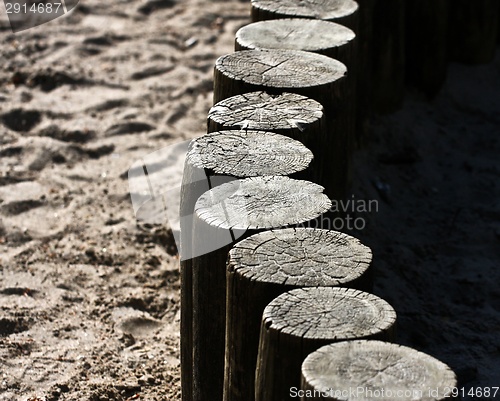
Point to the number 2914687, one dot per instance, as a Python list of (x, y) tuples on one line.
[(40, 8), (474, 392)]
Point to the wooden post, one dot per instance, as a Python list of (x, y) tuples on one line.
[(378, 367), (302, 320), (388, 55), (211, 160), (223, 215), (341, 11), (266, 265), (426, 44), (364, 85), (288, 114), (498, 26), (473, 28), (309, 74)]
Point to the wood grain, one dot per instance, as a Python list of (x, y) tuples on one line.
[(316, 36), (288, 114), (276, 71), (248, 154), (341, 11), (375, 366)]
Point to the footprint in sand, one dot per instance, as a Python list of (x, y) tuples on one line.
[(78, 136), (136, 323), (20, 120), (19, 198), (12, 325)]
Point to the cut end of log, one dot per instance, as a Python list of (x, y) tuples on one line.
[(302, 257), (260, 110), (293, 34), (319, 9), (261, 203), (330, 314), (283, 69), (248, 154), (372, 368)]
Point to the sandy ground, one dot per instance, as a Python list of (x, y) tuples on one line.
[(89, 299)]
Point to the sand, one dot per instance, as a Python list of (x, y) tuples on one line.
[(89, 297)]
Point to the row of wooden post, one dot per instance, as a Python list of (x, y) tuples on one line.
[(261, 290), (403, 43)]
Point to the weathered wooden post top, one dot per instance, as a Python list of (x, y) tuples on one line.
[(369, 370), (341, 11)]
